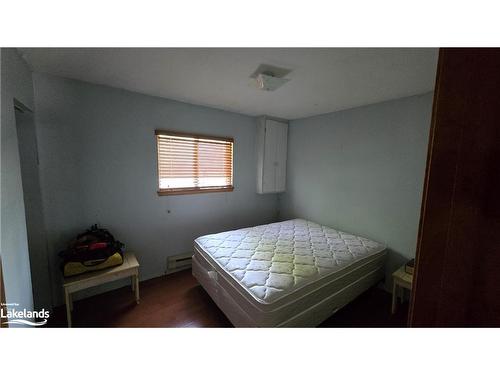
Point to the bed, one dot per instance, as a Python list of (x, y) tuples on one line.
[(293, 273)]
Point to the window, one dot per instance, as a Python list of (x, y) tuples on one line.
[(189, 163)]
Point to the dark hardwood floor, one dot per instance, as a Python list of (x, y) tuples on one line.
[(177, 300)]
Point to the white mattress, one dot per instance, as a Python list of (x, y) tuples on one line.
[(274, 272)]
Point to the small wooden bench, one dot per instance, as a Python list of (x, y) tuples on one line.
[(129, 268)]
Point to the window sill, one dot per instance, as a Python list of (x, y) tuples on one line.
[(194, 191)]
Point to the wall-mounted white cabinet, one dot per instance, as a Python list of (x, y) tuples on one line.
[(271, 155)]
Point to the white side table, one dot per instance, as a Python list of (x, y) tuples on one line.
[(401, 281), (129, 268)]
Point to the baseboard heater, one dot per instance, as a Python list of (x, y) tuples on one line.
[(178, 262)]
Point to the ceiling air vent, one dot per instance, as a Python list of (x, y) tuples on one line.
[(270, 78)]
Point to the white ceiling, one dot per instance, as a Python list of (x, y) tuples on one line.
[(322, 80)]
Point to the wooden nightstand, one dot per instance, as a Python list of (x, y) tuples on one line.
[(401, 281)]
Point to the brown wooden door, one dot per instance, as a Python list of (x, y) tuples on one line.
[(457, 276)]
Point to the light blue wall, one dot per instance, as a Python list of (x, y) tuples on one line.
[(98, 165), (15, 83), (359, 170), (362, 170)]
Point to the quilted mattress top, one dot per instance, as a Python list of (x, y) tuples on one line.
[(273, 260)]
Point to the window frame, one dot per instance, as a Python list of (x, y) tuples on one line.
[(192, 190)]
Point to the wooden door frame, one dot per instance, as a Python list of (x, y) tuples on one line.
[(2, 295), (418, 257)]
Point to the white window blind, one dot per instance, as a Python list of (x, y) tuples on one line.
[(190, 163)]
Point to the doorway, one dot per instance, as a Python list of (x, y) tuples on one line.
[(2, 297), (35, 224)]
